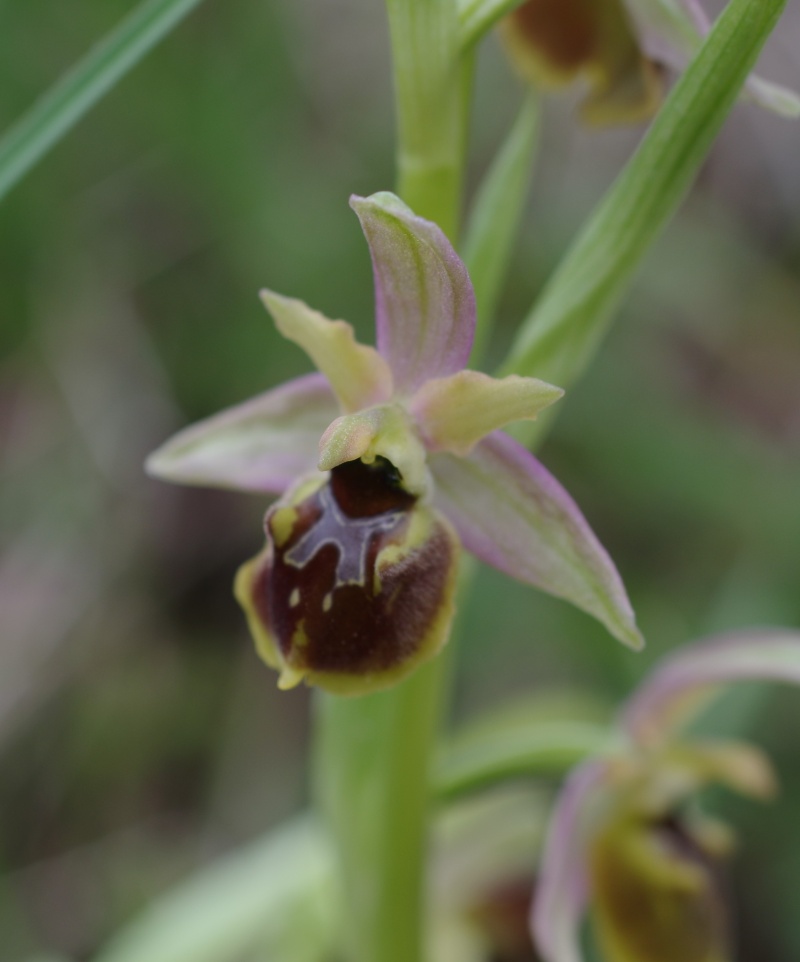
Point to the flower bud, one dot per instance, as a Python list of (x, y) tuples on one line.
[(554, 42), (355, 586)]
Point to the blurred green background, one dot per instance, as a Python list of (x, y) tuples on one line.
[(139, 735)]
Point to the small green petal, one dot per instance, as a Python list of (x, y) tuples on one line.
[(737, 765), (455, 412), (358, 375)]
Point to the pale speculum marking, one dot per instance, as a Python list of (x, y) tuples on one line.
[(350, 536)]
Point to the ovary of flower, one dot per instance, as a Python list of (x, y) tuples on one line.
[(385, 462)]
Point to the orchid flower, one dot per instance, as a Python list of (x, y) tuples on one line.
[(620, 47), (385, 461), (621, 839)]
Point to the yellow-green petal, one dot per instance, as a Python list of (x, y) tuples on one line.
[(358, 375), (455, 412), (737, 765)]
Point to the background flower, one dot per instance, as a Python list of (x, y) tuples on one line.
[(620, 49), (622, 841)]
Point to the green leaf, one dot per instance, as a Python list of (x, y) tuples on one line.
[(496, 215), (257, 900), (479, 16), (564, 327), (51, 117), (532, 738)]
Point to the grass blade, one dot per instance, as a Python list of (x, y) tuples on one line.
[(58, 110), (496, 215)]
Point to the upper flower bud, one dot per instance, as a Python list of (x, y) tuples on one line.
[(554, 42), (620, 48)]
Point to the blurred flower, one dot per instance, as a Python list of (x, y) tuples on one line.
[(623, 839), (484, 847), (620, 48), (355, 585)]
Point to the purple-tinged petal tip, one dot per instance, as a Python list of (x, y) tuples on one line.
[(514, 515), (424, 302), (563, 885), (683, 682)]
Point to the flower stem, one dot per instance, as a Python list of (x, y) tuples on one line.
[(432, 82), (374, 753), (374, 758)]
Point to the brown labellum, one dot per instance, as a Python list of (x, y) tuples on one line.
[(553, 42), (355, 586), (657, 894), (566, 31)]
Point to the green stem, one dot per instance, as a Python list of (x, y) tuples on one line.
[(432, 82), (375, 753), (374, 763)]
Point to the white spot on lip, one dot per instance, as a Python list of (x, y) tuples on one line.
[(327, 601), (294, 598)]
